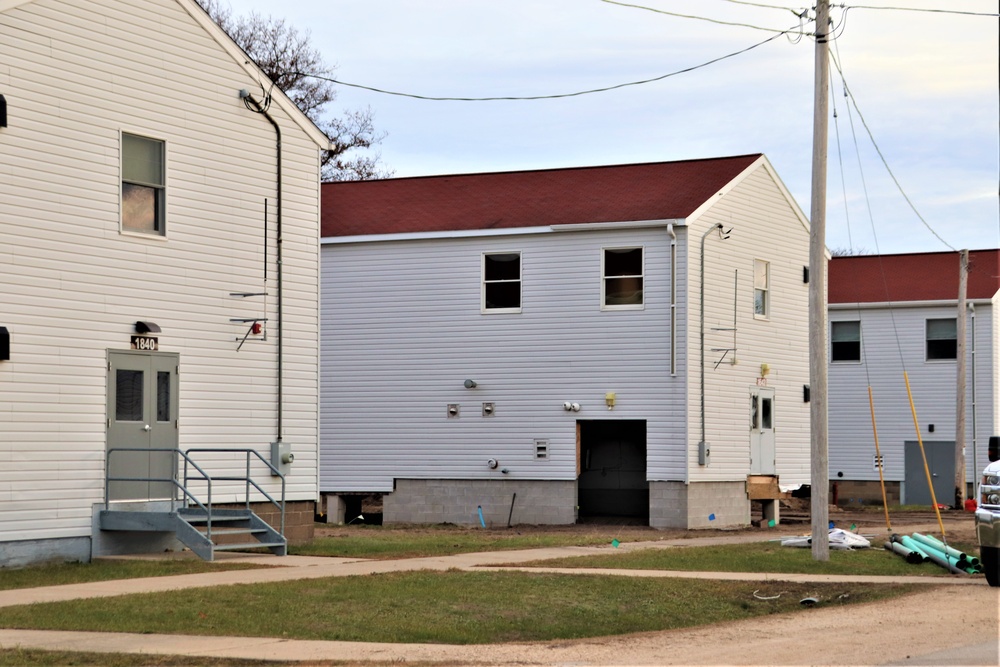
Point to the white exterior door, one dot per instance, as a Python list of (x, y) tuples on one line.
[(142, 415), (762, 431)]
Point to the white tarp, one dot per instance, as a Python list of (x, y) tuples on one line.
[(839, 539)]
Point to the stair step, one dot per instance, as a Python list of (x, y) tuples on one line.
[(234, 531), (251, 545)]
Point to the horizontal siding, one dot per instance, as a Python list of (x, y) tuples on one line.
[(397, 348), (763, 226), (893, 341), (76, 74)]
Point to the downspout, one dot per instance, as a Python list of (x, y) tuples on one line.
[(975, 454), (673, 298), (251, 102), (704, 236)]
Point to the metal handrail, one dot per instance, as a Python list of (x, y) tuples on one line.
[(185, 492), (247, 479)]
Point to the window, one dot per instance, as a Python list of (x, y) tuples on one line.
[(622, 278), (761, 288), (143, 187), (845, 341), (502, 282), (942, 339)]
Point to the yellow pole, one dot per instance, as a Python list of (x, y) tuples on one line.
[(920, 441), (878, 459)]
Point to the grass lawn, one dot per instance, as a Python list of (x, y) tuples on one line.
[(753, 557), (107, 570), (15, 657), (389, 543), (444, 607)]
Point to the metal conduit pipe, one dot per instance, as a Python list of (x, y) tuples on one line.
[(278, 260), (717, 226), (673, 298)]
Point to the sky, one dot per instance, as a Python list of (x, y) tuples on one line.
[(924, 83)]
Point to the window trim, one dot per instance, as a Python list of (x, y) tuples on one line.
[(766, 315), (161, 232), (860, 342), (927, 339), (483, 282), (604, 279)]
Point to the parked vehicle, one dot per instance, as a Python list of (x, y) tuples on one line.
[(988, 516)]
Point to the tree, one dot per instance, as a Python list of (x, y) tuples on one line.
[(294, 65)]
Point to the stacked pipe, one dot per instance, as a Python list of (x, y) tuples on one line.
[(918, 548)]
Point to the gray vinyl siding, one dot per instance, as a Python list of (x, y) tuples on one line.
[(75, 75), (402, 330), (764, 225), (893, 341)]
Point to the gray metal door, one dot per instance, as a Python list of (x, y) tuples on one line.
[(762, 453), (940, 461), (142, 414)]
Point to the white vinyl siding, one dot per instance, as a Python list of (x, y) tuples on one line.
[(76, 74), (395, 356), (763, 224), (899, 337)]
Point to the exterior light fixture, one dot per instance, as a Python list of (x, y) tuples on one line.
[(470, 384), (146, 327)]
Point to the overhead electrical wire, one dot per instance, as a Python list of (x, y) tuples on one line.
[(546, 97), (918, 9), (697, 18), (885, 162)]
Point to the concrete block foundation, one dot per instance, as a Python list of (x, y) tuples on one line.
[(458, 501), (702, 505)]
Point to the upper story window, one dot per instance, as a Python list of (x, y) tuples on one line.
[(143, 184), (502, 282), (845, 341), (942, 339), (761, 289), (621, 285)]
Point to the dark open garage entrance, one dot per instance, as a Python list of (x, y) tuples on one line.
[(612, 462)]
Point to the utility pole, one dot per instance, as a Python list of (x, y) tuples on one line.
[(963, 281), (820, 476)]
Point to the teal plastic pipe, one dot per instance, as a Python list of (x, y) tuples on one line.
[(941, 546), (949, 563), (911, 543)]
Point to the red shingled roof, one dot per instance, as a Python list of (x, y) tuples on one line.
[(657, 191), (927, 276)]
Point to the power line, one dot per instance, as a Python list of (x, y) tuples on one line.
[(918, 9), (878, 150), (698, 18), (544, 97)]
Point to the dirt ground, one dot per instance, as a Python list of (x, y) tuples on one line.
[(959, 526)]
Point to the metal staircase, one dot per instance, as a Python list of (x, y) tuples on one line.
[(195, 522)]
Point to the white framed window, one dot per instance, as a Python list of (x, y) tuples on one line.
[(845, 341), (761, 289), (942, 339), (143, 172), (501, 291), (622, 279)]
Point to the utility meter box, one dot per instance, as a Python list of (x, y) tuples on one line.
[(282, 457), (704, 454)]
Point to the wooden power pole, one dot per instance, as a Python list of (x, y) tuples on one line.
[(960, 389), (820, 475)]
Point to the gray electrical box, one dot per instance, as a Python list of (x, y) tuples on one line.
[(704, 453), (282, 457)]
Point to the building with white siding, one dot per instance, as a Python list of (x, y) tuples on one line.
[(896, 314), (531, 347), (142, 301)]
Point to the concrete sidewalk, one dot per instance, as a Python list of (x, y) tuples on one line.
[(304, 567)]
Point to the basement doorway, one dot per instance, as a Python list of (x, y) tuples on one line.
[(612, 485)]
